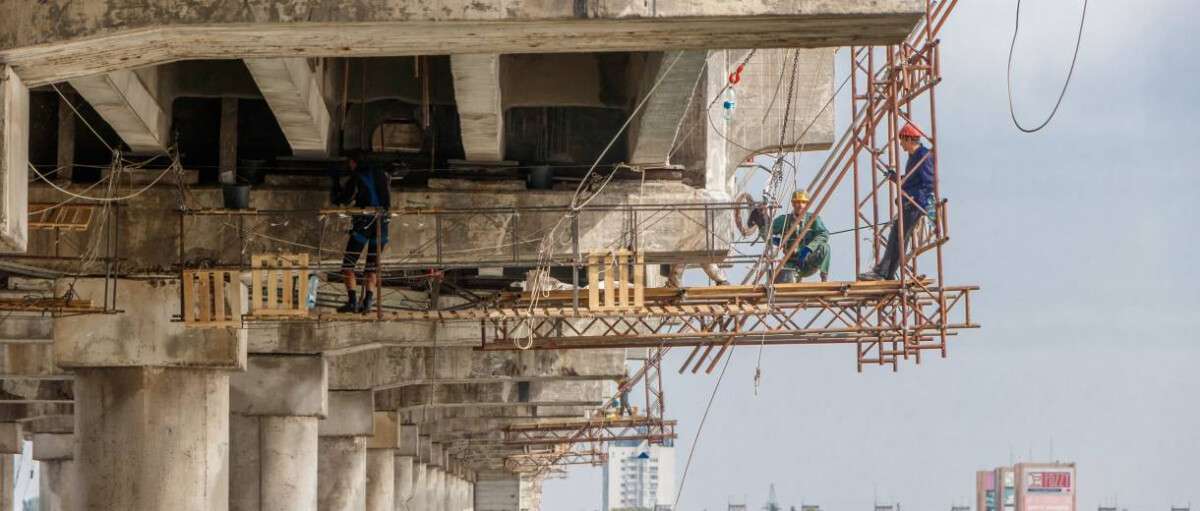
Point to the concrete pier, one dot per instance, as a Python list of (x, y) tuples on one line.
[(342, 456), (276, 406)]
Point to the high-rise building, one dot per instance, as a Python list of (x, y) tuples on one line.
[(1045, 486), (640, 476), (1027, 487)]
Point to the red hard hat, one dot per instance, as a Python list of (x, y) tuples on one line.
[(911, 131)]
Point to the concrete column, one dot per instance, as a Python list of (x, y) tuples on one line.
[(7, 480), (151, 417), (342, 474), (404, 483), (55, 454), (406, 451), (14, 162), (381, 463), (419, 486), (152, 438), (276, 405)]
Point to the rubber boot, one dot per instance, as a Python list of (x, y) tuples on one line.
[(351, 303)]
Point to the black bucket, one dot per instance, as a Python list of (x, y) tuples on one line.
[(540, 178), (236, 196)]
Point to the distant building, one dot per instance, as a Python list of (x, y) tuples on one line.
[(1027, 487), (639, 476)]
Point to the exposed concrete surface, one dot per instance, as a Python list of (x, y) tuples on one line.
[(153, 438), (480, 111), (350, 413), (342, 473), (381, 479), (289, 463), (79, 39), (129, 102), (11, 440), (659, 126), (403, 482), (14, 161), (149, 226), (145, 336), (293, 90), (280, 385), (58, 486)]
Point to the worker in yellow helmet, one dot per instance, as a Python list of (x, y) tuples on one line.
[(813, 253)]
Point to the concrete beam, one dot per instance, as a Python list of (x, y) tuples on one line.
[(14, 162), (129, 102), (50, 41), (477, 94), (351, 413), (293, 90), (145, 335), (658, 128), (280, 385)]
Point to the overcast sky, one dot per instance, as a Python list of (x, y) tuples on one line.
[(1083, 238)]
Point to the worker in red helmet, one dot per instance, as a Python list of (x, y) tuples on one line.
[(916, 186)]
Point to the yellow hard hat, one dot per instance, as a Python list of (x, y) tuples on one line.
[(800, 196)]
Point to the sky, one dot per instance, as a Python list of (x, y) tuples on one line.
[(1082, 238)]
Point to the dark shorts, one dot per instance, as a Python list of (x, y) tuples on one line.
[(354, 248)]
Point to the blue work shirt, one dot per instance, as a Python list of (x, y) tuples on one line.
[(918, 176)]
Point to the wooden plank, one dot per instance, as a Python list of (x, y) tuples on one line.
[(288, 272), (593, 282), (255, 283), (304, 275), (204, 297), (609, 300), (189, 296), (623, 279), (219, 313), (639, 280)]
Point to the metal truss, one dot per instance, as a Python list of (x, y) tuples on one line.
[(543, 461), (887, 321), (595, 431)]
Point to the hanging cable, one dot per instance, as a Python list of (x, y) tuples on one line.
[(1071, 71)]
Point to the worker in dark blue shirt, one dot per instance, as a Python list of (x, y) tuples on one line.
[(367, 187), (917, 199)]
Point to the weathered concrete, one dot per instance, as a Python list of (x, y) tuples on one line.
[(342, 475), (381, 462), (149, 229), (659, 126), (381, 480), (145, 334), (281, 385), (58, 478), (129, 101), (82, 39), (477, 93), (14, 161), (342, 444), (404, 482), (498, 491), (292, 87), (152, 438), (420, 491), (276, 406), (11, 439)]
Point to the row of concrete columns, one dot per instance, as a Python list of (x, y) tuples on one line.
[(271, 438)]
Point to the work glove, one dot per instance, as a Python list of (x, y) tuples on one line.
[(803, 254)]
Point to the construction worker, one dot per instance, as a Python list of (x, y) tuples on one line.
[(916, 188), (813, 253), (367, 187), (625, 409)]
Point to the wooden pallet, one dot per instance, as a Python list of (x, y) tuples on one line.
[(279, 284), (66, 217), (615, 268), (211, 298)]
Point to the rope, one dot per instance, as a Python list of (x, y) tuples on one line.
[(700, 428), (80, 116), (1067, 83)]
